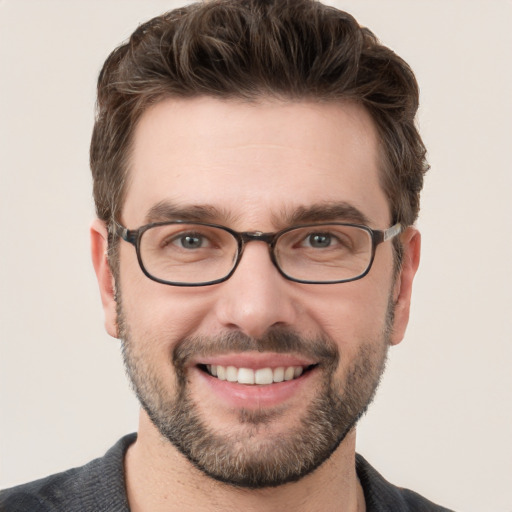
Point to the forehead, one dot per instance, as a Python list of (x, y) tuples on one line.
[(254, 163)]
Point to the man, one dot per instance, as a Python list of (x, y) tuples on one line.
[(256, 176)]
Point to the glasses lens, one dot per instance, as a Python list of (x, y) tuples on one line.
[(324, 252), (187, 253)]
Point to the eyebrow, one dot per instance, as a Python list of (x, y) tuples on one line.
[(324, 212), (165, 211)]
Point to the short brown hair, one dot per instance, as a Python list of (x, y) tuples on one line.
[(252, 49)]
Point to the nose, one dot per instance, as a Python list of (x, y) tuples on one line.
[(256, 297)]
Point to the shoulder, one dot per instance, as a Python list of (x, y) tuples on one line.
[(381, 496), (97, 486)]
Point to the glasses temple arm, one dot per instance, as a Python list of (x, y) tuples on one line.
[(391, 232)]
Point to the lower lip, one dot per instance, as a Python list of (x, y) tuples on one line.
[(255, 396)]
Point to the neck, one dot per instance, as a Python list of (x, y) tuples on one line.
[(161, 479)]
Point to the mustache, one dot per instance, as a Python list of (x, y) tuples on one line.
[(279, 340)]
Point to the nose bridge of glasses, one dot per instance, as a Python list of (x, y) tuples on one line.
[(257, 236)]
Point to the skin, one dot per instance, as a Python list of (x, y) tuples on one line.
[(256, 164)]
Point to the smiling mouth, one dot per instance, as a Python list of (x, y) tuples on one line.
[(260, 376)]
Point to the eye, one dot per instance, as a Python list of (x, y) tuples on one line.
[(190, 241), (318, 240), (333, 240)]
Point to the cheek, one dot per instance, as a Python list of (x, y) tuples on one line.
[(353, 313), (158, 315)]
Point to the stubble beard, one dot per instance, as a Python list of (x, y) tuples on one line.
[(244, 457)]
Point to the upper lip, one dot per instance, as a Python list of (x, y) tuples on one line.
[(254, 360)]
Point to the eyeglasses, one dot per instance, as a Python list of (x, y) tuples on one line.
[(181, 253)]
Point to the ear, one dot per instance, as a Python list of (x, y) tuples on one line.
[(411, 242), (99, 246)]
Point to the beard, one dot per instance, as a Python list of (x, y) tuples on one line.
[(245, 456)]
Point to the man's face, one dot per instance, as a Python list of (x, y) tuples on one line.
[(256, 167)]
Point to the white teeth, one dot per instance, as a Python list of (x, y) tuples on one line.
[(245, 376), (279, 374), (289, 373), (262, 376), (231, 374), (221, 372)]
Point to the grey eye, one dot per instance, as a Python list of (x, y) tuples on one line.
[(319, 240), (190, 241)]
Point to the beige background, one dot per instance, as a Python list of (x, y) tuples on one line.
[(442, 421)]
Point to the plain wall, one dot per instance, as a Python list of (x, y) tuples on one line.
[(442, 420)]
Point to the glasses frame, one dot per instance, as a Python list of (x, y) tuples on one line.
[(134, 236)]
